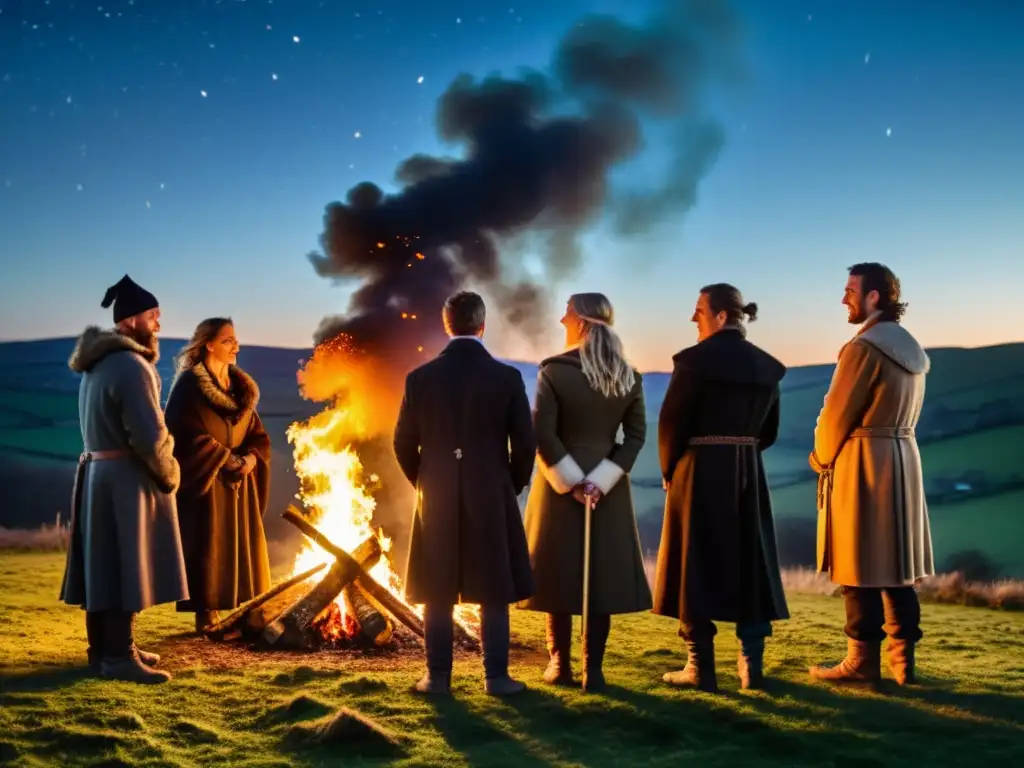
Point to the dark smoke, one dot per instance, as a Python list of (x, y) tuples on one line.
[(538, 152)]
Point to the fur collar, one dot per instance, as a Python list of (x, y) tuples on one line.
[(96, 343), (245, 387)]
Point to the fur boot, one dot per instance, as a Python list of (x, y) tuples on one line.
[(559, 642), (862, 664)]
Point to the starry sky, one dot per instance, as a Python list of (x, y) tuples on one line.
[(195, 144)]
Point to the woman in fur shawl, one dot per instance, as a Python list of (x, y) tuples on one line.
[(224, 454)]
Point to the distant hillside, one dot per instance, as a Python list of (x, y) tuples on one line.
[(971, 432)]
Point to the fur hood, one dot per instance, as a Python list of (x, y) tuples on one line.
[(95, 343), (248, 393), (896, 343)]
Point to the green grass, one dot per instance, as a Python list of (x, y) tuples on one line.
[(993, 525), (66, 441), (58, 406), (996, 452), (229, 707)]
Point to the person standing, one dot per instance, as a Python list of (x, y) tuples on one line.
[(583, 397), (718, 559), (464, 439), (874, 535), (224, 453), (125, 552)]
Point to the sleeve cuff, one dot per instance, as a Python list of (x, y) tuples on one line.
[(563, 476), (605, 475)]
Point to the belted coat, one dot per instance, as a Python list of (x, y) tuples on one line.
[(465, 441), (718, 559), (125, 551), (873, 526)]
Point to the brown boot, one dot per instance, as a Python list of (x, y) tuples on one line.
[(750, 665), (699, 671), (595, 639), (900, 655), (132, 670), (559, 641), (863, 664)]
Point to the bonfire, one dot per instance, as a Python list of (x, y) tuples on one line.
[(343, 590)]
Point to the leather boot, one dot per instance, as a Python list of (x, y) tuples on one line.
[(559, 640), (149, 659), (750, 664), (699, 671), (120, 657), (594, 641), (863, 664), (132, 670), (900, 655), (434, 684), (94, 622)]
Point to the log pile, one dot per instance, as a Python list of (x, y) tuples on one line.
[(301, 613)]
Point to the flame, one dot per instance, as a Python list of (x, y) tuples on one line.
[(333, 482)]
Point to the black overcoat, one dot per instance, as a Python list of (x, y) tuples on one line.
[(718, 558), (465, 440)]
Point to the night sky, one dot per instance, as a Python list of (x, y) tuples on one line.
[(195, 145)]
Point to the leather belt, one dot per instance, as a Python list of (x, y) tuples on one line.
[(722, 440), (116, 453), (897, 433)]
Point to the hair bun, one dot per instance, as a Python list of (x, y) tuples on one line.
[(750, 310)]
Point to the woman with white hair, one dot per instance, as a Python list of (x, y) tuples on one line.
[(584, 395)]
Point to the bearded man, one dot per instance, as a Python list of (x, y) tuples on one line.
[(125, 550), (874, 537)]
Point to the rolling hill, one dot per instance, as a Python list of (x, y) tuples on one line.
[(971, 434)]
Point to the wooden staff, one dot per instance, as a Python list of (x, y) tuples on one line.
[(586, 564)]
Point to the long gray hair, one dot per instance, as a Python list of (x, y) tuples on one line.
[(601, 351)]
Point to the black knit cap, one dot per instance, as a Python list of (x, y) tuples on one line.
[(129, 299)]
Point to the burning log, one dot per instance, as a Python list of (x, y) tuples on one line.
[(294, 621), (382, 596), (374, 625), (237, 616)]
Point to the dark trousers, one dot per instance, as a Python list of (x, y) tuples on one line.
[(874, 612), (110, 634), (439, 635), (703, 632)]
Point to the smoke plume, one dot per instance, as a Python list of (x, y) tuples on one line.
[(538, 152)]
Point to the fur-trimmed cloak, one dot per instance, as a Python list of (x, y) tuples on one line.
[(220, 512), (125, 552)]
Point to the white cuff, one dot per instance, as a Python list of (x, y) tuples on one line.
[(563, 476), (605, 475)]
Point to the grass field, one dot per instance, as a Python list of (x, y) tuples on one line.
[(234, 707)]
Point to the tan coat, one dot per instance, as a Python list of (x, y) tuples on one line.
[(873, 528), (576, 440)]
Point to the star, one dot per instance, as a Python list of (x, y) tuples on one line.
[(203, 94), (419, 79), (273, 75), (867, 57), (358, 134), (888, 131), (148, 204), (295, 38)]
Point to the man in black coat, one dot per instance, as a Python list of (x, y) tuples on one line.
[(465, 440), (718, 559)]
